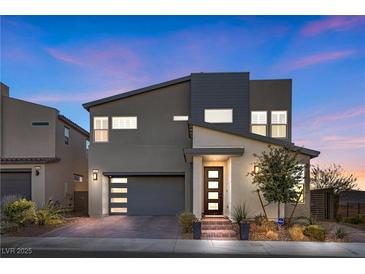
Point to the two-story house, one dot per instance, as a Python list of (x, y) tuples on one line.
[(188, 144), (43, 154)]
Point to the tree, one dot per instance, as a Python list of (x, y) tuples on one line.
[(277, 173), (332, 177)]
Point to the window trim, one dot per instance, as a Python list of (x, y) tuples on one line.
[(101, 129), (135, 116), (266, 124), (210, 109), (40, 123), (180, 118), (66, 139), (279, 124)]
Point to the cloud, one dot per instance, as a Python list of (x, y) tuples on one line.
[(318, 121), (332, 23), (108, 57), (314, 59), (74, 97)]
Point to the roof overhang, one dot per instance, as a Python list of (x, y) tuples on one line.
[(29, 160), (88, 105), (126, 174), (310, 152), (189, 153)]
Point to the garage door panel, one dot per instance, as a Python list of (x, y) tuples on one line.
[(16, 183), (156, 195)]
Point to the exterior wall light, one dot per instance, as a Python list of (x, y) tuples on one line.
[(256, 169), (37, 170), (95, 174)]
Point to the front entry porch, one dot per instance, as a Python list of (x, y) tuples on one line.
[(212, 174)]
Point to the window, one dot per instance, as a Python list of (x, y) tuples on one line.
[(67, 135), (259, 122), (78, 178), (101, 129), (118, 180), (87, 144), (213, 174), (181, 118), (300, 186), (40, 124), (124, 122), (279, 124), (218, 115)]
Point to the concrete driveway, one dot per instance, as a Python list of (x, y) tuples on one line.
[(149, 227)]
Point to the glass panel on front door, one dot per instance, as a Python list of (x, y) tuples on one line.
[(213, 194)]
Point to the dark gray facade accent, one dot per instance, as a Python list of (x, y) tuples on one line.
[(88, 105), (156, 195), (221, 90), (16, 182), (114, 174), (271, 95)]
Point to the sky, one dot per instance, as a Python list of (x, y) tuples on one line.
[(65, 61)]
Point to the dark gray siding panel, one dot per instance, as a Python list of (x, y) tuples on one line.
[(221, 90), (16, 183), (157, 145), (156, 195), (272, 95)]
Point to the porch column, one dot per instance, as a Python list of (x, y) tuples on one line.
[(197, 185)]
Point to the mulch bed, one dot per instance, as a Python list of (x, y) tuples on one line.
[(34, 230)]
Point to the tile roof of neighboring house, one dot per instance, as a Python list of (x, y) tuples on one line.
[(29, 160), (312, 153), (135, 92), (73, 124)]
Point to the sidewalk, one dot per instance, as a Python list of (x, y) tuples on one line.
[(118, 247)]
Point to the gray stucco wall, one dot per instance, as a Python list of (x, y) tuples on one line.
[(221, 90), (60, 183), (156, 146), (272, 95), (19, 137)]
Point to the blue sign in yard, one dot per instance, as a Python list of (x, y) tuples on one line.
[(280, 221)]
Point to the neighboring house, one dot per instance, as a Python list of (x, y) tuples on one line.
[(188, 144), (43, 154)]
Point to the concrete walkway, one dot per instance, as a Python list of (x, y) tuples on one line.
[(118, 247)]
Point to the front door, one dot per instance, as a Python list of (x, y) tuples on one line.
[(213, 190)]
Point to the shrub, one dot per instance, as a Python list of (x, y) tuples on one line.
[(239, 213), (340, 233), (272, 235), (269, 225), (302, 220), (20, 211), (316, 232), (49, 215), (296, 233), (186, 220), (259, 219), (6, 200), (354, 220)]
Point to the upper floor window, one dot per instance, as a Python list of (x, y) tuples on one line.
[(181, 118), (66, 131), (126, 122), (218, 115), (78, 178), (101, 129), (279, 124), (40, 124), (259, 122)]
